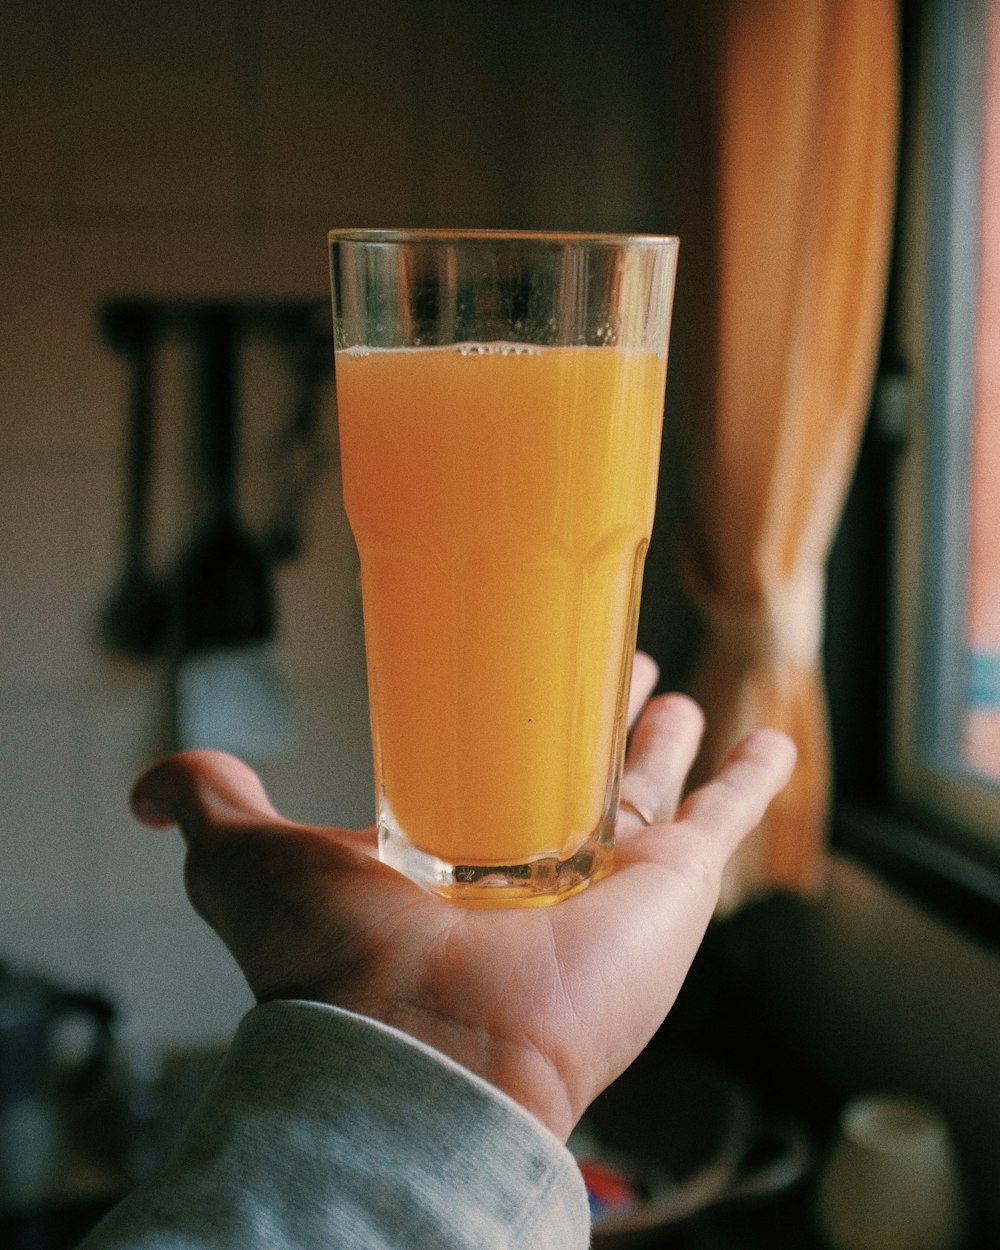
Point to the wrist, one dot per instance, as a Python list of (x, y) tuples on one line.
[(516, 1068)]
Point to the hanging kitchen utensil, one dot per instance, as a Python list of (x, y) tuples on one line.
[(138, 613), (299, 453), (230, 692)]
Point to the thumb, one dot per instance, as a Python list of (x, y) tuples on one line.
[(201, 792)]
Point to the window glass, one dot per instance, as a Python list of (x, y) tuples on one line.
[(980, 745), (946, 740)]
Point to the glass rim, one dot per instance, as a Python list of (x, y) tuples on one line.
[(377, 235)]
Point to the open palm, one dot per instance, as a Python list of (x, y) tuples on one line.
[(548, 1004)]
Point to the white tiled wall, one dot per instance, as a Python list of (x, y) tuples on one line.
[(86, 894), (198, 148), (134, 165)]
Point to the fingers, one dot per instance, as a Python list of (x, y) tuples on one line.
[(722, 812), (279, 894), (211, 796), (663, 747), (200, 791), (710, 824), (645, 675)]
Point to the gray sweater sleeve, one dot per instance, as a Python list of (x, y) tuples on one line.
[(324, 1129)]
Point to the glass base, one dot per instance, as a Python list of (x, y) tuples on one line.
[(537, 882)]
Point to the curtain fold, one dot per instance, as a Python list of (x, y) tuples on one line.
[(806, 151)]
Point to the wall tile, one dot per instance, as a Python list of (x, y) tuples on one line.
[(334, 114), (475, 112), (291, 261), (35, 319), (129, 867), (328, 780), (61, 558), (28, 74), (42, 849), (173, 978), (163, 128), (37, 617), (169, 264)]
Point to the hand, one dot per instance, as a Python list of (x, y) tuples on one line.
[(549, 1004)]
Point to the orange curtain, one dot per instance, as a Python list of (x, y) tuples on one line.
[(807, 134)]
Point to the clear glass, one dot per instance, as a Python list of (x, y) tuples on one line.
[(500, 401)]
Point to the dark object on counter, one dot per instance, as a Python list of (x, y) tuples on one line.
[(680, 1137), (32, 1135)]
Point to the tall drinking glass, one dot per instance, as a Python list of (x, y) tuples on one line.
[(500, 399)]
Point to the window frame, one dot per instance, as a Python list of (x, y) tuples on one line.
[(896, 605)]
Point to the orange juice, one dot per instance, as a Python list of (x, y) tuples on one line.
[(501, 498)]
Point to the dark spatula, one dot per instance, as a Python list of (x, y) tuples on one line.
[(137, 615), (230, 693)]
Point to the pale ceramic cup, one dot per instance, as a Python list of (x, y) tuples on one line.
[(891, 1181)]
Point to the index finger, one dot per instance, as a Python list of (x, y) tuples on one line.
[(727, 808), (645, 675), (200, 791)]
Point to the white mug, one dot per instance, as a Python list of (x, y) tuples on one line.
[(891, 1181)]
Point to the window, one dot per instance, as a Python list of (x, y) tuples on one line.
[(914, 620), (948, 704)]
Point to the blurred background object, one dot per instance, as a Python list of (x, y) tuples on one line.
[(892, 1179)]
